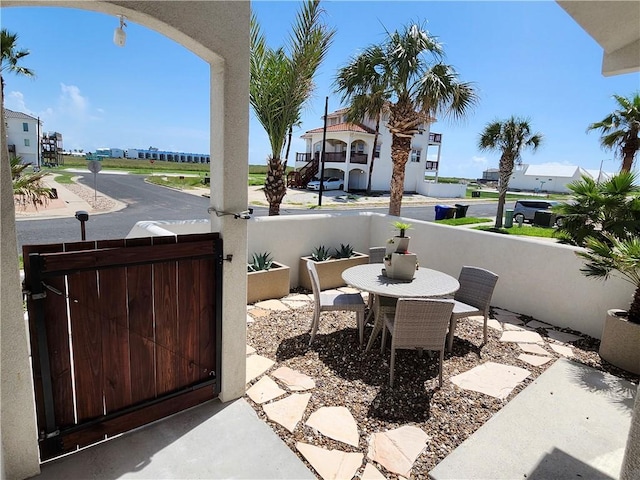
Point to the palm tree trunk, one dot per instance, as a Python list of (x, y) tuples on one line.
[(628, 152), (506, 169), (274, 185), (373, 154), (400, 149)]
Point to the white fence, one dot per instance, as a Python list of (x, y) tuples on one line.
[(538, 278)]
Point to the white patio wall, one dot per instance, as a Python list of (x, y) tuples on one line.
[(442, 190), (537, 277)]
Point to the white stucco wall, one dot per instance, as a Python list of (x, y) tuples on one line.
[(442, 190)]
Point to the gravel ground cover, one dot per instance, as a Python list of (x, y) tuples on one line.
[(348, 376)]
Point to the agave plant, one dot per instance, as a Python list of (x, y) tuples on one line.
[(603, 256), (320, 254), (260, 261), (345, 251)]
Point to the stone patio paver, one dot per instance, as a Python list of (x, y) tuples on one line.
[(258, 312), (294, 380), (288, 411), (372, 473), (513, 320), (533, 348), (491, 322), (250, 319), (521, 337), (537, 324), (257, 365), (331, 464), (295, 303), (349, 290), (535, 360), (562, 336), (515, 328), (299, 297), (250, 350), (494, 379), (397, 450), (265, 390), (336, 423), (272, 305), (562, 350)]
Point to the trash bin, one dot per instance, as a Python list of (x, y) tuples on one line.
[(444, 211), (543, 218), (461, 210), (475, 194), (508, 218)]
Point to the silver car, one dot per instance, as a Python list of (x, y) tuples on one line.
[(331, 183), (525, 210)]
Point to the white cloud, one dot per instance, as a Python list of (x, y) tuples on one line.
[(72, 102), (479, 160), (15, 101)]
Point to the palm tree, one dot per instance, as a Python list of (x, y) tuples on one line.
[(28, 186), (621, 129), (408, 67), (509, 137), (281, 83), (11, 56)]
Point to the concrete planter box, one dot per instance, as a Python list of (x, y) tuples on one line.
[(329, 271), (620, 344), (267, 284)]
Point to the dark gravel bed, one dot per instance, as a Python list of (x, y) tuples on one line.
[(347, 376)]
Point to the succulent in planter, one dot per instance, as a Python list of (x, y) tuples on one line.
[(345, 251), (320, 254), (622, 255), (260, 261)]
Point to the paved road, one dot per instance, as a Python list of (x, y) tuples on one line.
[(151, 202)]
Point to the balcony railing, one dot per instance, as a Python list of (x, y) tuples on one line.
[(335, 157), (359, 158)]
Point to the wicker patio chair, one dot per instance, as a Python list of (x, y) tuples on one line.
[(473, 298), (376, 255), (418, 323), (325, 301)]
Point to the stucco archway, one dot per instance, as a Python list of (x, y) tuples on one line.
[(218, 32)]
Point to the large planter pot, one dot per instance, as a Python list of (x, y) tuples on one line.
[(401, 266), (620, 344), (329, 271), (398, 244), (267, 284)]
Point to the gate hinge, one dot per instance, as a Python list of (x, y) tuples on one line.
[(36, 296), (44, 436)]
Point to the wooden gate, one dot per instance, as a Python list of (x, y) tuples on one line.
[(123, 332)]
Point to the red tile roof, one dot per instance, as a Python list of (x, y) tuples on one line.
[(344, 127)]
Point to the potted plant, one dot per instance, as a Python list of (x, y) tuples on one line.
[(330, 266), (399, 243), (399, 263), (620, 343), (266, 279)]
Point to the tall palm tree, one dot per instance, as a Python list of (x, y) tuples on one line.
[(621, 129), (509, 137), (281, 83), (12, 56), (408, 66)]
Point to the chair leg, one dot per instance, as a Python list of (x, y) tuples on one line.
[(360, 320), (486, 315), (440, 368), (452, 330), (392, 365), (384, 338), (314, 326)]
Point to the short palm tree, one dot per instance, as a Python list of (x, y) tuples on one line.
[(509, 137), (621, 129), (408, 67), (281, 83), (28, 186), (609, 207)]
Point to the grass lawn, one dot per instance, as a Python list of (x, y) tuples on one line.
[(463, 221), (180, 182), (64, 177), (515, 196), (525, 230)]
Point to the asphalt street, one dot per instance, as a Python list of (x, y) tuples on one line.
[(151, 202)]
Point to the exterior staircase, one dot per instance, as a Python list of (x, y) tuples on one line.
[(299, 178)]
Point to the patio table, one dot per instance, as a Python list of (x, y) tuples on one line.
[(426, 283)]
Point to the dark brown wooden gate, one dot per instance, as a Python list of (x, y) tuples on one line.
[(123, 332)]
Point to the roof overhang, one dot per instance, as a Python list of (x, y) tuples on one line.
[(615, 25)]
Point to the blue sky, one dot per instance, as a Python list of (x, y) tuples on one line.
[(525, 58)]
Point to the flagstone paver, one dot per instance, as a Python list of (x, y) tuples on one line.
[(494, 379), (533, 348), (288, 411), (258, 312), (349, 290), (295, 303), (294, 380), (562, 336), (521, 337), (397, 450), (537, 324), (491, 322), (257, 365), (272, 305), (336, 423), (299, 297), (513, 320), (372, 473), (515, 328), (331, 464), (265, 390), (535, 360), (562, 350), (250, 350)]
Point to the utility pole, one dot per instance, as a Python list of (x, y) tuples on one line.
[(324, 140)]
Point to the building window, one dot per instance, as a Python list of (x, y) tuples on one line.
[(25, 127), (26, 142), (415, 156)]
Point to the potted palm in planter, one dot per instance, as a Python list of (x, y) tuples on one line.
[(266, 279), (620, 343), (399, 243), (330, 266), (399, 262)]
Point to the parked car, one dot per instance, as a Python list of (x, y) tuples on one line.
[(331, 183), (527, 209)]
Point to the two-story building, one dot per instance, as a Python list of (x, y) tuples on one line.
[(23, 136), (350, 152)]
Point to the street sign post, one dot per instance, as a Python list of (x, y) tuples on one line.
[(94, 167)]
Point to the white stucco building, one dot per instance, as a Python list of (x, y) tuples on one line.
[(23, 136), (349, 153), (550, 177)]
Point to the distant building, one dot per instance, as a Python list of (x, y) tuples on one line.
[(166, 156), (110, 152), (23, 136), (490, 175), (550, 177)]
